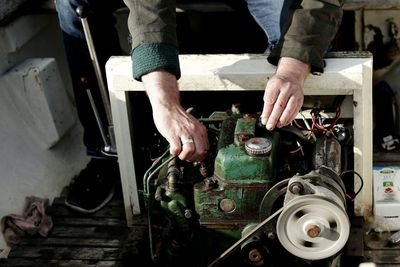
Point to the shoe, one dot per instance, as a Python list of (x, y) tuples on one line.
[(94, 187)]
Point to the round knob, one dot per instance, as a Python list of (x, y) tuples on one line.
[(258, 146), (82, 11)]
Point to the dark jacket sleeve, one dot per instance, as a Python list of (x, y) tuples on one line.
[(152, 25), (309, 32)]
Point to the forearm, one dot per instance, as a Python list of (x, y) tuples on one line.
[(161, 88)]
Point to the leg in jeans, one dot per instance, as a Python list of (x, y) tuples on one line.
[(94, 186), (271, 15)]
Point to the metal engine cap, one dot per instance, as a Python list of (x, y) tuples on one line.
[(258, 146)]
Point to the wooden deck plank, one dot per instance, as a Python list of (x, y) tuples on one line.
[(75, 221), (106, 212), (87, 237), (57, 263), (112, 222), (68, 253), (71, 241), (383, 256), (379, 241), (89, 232), (103, 239), (100, 239), (115, 202)]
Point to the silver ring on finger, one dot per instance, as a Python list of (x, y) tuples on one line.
[(188, 140)]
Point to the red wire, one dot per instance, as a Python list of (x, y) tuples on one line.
[(319, 127)]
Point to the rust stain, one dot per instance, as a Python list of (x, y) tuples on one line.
[(37, 79)]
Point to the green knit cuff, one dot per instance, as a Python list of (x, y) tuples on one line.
[(149, 57)]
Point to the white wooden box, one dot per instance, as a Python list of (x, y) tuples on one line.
[(351, 75)]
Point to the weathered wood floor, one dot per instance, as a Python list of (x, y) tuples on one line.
[(377, 250), (101, 239)]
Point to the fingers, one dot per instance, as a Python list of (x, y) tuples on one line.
[(277, 109), (270, 96), (188, 148), (282, 101), (193, 149), (191, 146), (289, 114)]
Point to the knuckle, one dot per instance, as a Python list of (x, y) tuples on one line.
[(269, 99), (174, 150), (203, 153), (281, 104)]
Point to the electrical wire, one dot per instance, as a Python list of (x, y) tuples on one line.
[(317, 120), (361, 181)]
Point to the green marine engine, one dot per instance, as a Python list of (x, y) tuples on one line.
[(260, 198)]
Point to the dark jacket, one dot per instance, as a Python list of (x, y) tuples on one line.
[(152, 24)]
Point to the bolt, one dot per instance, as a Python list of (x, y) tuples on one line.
[(271, 235), (296, 188), (188, 214), (227, 205), (313, 230), (255, 255)]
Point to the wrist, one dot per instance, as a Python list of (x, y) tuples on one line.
[(162, 88), (292, 69)]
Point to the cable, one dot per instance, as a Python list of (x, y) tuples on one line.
[(317, 124), (361, 181)]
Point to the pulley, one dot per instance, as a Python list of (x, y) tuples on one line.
[(313, 227)]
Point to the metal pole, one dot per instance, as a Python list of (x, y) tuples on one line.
[(97, 70), (97, 116), (110, 147)]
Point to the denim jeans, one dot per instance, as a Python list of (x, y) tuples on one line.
[(269, 14)]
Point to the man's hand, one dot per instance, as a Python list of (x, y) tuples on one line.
[(283, 95), (187, 137)]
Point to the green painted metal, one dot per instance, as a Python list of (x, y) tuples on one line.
[(229, 200), (232, 162), (244, 130)]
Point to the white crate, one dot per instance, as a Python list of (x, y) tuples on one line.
[(349, 75)]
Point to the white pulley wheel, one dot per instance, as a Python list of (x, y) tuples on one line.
[(312, 227)]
